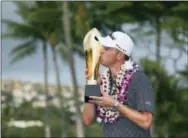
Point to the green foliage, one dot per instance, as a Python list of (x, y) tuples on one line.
[(94, 130), (171, 99), (177, 25), (18, 30)]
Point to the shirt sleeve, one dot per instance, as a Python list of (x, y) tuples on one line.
[(144, 94)]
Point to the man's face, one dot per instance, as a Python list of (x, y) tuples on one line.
[(108, 56)]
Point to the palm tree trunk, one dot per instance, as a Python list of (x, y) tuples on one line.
[(57, 73), (158, 58), (59, 91), (158, 40), (46, 122), (79, 124)]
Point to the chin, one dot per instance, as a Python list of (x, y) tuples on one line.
[(103, 64), (101, 61)]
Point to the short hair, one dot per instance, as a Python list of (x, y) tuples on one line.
[(126, 57)]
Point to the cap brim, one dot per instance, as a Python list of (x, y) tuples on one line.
[(107, 42)]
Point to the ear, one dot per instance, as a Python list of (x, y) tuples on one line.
[(120, 55)]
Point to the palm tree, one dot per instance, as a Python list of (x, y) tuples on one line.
[(67, 33), (53, 42), (29, 32), (43, 11)]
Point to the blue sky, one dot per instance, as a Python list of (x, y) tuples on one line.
[(31, 68)]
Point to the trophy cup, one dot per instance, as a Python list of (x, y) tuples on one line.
[(92, 48)]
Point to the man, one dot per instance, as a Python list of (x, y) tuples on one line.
[(126, 107)]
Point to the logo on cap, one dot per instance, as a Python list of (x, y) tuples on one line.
[(112, 37)]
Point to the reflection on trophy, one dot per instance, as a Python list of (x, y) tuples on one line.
[(92, 48)]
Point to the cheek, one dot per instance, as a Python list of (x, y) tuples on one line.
[(108, 56)]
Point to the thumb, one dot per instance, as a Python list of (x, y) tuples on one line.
[(99, 74)]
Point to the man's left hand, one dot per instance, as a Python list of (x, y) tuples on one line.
[(106, 100)]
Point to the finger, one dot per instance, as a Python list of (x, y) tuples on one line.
[(86, 70), (95, 97), (88, 76), (99, 74), (95, 102)]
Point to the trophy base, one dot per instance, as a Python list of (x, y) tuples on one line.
[(91, 82), (92, 90)]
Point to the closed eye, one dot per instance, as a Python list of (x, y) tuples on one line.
[(106, 48)]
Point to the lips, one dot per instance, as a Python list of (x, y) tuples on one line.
[(100, 58)]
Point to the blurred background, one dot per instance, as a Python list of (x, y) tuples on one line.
[(43, 63)]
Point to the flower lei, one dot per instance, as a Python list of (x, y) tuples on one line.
[(108, 114)]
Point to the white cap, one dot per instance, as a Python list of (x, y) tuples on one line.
[(118, 40)]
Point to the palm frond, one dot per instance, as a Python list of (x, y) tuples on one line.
[(21, 51), (20, 30), (23, 8), (43, 15)]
